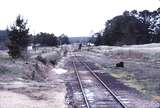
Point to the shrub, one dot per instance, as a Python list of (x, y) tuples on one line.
[(41, 59)]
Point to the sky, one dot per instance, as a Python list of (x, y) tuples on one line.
[(71, 17)]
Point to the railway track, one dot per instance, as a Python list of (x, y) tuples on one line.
[(108, 98)]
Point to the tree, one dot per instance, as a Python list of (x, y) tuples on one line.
[(134, 12), (145, 16), (92, 39), (63, 39), (18, 38), (134, 27), (98, 40), (126, 13), (46, 39), (127, 30)]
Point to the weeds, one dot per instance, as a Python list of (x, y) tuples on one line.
[(4, 70)]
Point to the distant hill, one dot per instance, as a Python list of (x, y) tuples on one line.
[(78, 39)]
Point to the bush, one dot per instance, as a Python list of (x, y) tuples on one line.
[(43, 60)]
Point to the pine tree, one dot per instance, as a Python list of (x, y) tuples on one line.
[(18, 38)]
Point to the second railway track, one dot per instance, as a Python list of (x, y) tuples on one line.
[(95, 92)]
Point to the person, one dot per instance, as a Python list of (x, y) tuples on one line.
[(80, 45)]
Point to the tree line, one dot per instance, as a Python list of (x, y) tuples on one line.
[(47, 39), (132, 27), (20, 39)]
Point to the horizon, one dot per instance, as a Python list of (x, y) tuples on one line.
[(73, 18)]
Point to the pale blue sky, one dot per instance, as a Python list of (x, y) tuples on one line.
[(72, 17)]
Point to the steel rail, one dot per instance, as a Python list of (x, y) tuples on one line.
[(99, 79), (81, 86)]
